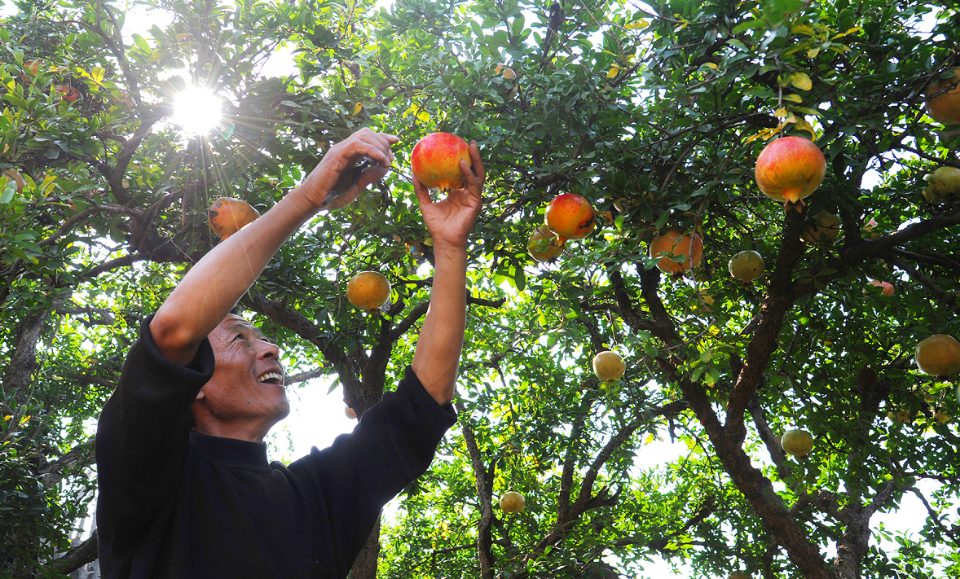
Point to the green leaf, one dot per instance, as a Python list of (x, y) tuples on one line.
[(141, 43), (9, 190), (748, 25)]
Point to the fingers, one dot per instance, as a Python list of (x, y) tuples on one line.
[(423, 195), (381, 143), (366, 142), (370, 175), (478, 169)]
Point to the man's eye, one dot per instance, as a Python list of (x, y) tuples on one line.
[(239, 337)]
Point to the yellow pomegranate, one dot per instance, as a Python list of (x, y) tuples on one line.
[(945, 106), (942, 184), (505, 71), (545, 245), (681, 245), (825, 227), (938, 355), (746, 266), (512, 502), (368, 290), (797, 443), (608, 366)]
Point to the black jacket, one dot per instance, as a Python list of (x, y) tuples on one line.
[(177, 503)]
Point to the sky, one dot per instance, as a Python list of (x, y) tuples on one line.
[(317, 416)]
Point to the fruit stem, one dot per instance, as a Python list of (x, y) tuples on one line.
[(794, 206)]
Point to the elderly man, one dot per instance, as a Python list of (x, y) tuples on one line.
[(185, 487)]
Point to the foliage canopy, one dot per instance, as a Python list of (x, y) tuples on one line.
[(656, 114)]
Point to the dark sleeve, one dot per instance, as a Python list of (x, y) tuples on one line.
[(392, 445), (142, 440)]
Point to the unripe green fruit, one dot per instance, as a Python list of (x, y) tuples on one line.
[(746, 266), (797, 443), (942, 184)]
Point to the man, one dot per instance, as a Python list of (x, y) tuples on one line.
[(185, 487)]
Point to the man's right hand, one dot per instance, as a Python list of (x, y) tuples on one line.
[(344, 156)]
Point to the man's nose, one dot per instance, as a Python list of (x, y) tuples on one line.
[(269, 350)]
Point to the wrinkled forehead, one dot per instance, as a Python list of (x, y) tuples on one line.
[(233, 324)]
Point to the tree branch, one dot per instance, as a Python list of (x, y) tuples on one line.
[(485, 492)]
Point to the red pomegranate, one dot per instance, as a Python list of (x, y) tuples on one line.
[(789, 170), (570, 216), (435, 161)]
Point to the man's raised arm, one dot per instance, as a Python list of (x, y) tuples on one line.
[(214, 285), (437, 357)]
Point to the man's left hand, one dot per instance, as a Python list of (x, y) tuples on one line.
[(450, 220)]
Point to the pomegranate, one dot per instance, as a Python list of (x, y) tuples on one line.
[(67, 92), (435, 161), (942, 184), (746, 266), (789, 170), (798, 443), (938, 355), (943, 98), (544, 245), (368, 290), (228, 216), (608, 366), (570, 216), (885, 287), (31, 66), (824, 228), (677, 244), (505, 71), (512, 502)]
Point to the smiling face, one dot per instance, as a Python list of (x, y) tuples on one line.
[(246, 395)]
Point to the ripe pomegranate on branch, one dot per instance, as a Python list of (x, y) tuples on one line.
[(789, 170), (228, 215)]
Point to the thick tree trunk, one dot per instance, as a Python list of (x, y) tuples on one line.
[(365, 567)]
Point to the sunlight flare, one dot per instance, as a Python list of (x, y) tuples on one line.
[(196, 110)]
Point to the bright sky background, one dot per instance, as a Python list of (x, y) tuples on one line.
[(318, 417)]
